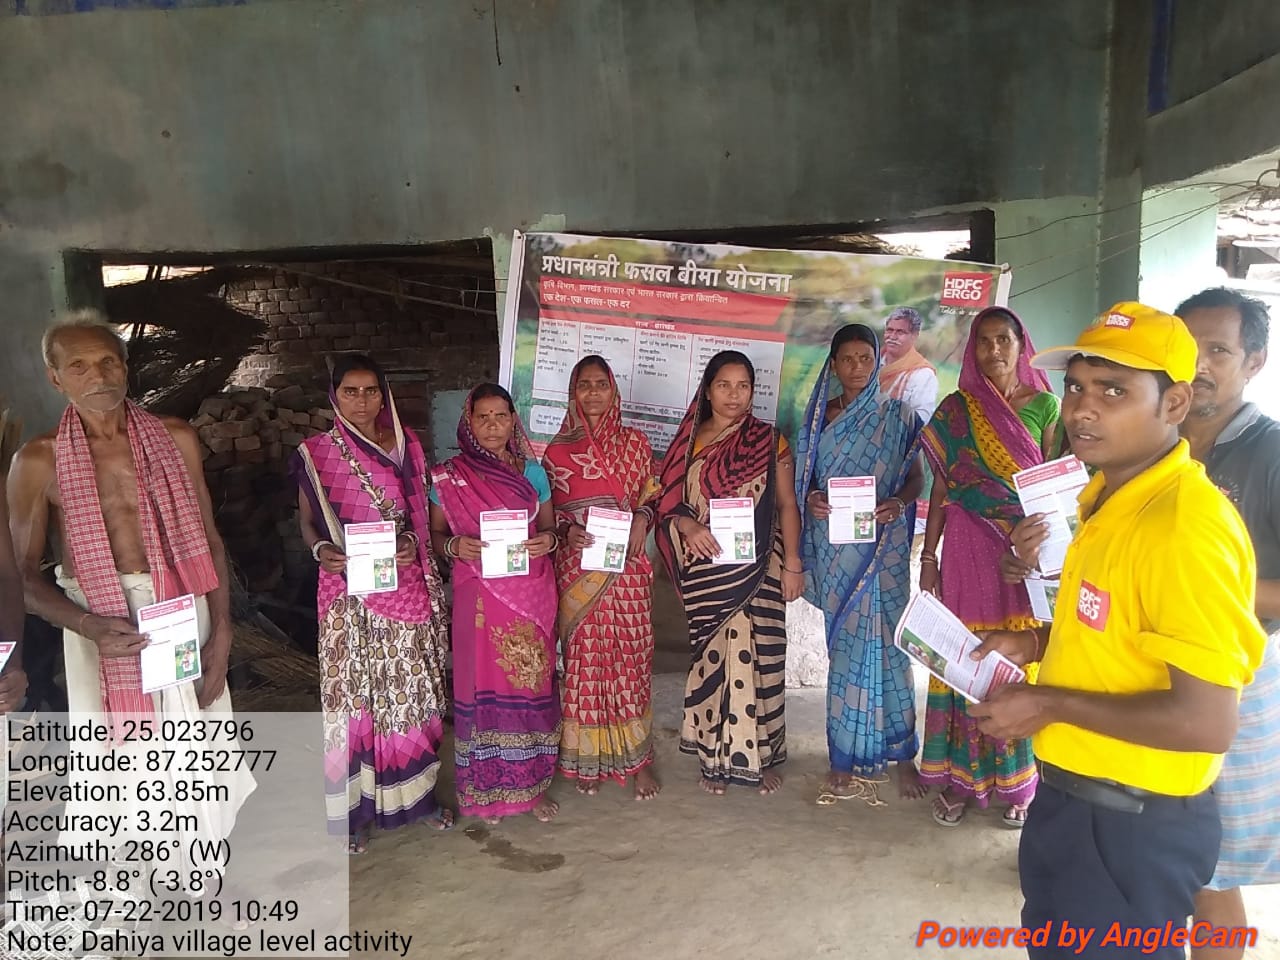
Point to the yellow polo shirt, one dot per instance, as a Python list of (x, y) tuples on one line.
[(1163, 575)]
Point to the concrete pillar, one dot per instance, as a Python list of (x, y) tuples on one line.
[(34, 292), (1179, 252), (1124, 117), (1051, 247)]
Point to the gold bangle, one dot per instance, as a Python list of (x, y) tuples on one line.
[(80, 626)]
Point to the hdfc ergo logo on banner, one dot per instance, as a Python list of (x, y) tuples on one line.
[(971, 291)]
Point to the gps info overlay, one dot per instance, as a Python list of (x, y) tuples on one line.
[(146, 835)]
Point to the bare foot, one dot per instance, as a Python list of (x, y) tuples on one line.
[(588, 788), (771, 783), (712, 787), (647, 786), (909, 785), (837, 781), (358, 842), (441, 820), (492, 821), (546, 809)]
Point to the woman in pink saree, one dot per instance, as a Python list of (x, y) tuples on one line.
[(506, 703), (1002, 419), (382, 655)]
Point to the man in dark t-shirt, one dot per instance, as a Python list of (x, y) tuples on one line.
[(1240, 448)]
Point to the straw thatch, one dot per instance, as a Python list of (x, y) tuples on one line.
[(185, 339)]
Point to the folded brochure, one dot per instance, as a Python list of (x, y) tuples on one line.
[(1043, 595), (504, 532), (733, 524), (935, 638), (611, 530), (371, 557), (1053, 489), (853, 510), (172, 653)]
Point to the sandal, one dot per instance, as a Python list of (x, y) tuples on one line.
[(1016, 816), (357, 844), (948, 813)]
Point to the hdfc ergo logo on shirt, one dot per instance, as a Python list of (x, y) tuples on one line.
[(966, 290), (1093, 606)]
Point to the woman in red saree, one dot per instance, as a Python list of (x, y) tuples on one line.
[(606, 619), (382, 654), (506, 711), (734, 697)]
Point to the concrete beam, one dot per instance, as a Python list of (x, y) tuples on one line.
[(1232, 122)]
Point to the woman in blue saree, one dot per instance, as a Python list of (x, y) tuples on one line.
[(849, 430)]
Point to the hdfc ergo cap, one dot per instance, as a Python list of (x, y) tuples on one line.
[(1132, 335)]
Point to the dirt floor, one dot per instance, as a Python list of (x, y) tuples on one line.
[(687, 875)]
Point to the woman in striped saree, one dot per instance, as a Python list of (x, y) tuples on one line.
[(733, 705)]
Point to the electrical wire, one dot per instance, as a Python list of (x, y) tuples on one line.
[(1090, 266), (1216, 185), (1103, 241)]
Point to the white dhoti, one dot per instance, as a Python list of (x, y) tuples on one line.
[(197, 803)]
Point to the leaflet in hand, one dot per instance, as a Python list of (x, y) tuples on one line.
[(1052, 489), (172, 654), (505, 532), (934, 637), (371, 557), (853, 509), (1044, 597), (733, 524), (6, 651), (612, 532)]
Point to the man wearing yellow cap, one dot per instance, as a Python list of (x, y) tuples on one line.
[(1141, 671)]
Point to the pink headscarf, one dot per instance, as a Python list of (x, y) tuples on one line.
[(1021, 445)]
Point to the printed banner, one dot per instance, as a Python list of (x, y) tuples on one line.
[(659, 310)]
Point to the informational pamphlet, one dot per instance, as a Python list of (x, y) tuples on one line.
[(1044, 597), (733, 524), (933, 637), (611, 530), (1052, 489), (371, 557), (172, 654), (853, 509), (504, 532), (6, 651)]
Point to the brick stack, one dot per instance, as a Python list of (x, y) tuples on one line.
[(247, 437)]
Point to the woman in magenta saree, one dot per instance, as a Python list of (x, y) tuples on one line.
[(381, 654), (506, 703), (1001, 420)]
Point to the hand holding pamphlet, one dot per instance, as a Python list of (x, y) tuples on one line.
[(611, 533), (371, 557), (733, 524), (936, 639), (1053, 489), (6, 651), (504, 533), (853, 510), (172, 653)]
